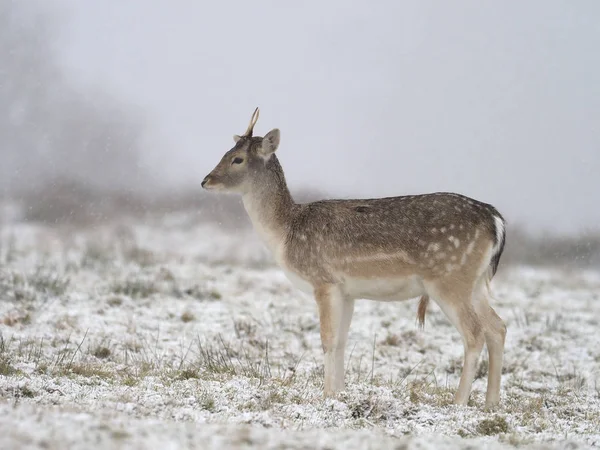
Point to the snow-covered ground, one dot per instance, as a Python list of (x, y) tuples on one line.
[(176, 335)]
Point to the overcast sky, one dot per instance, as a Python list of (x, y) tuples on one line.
[(496, 100)]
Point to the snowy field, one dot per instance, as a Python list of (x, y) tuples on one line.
[(175, 335)]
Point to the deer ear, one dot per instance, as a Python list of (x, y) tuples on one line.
[(270, 142), (236, 138)]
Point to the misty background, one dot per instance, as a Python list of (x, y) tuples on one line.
[(127, 105)]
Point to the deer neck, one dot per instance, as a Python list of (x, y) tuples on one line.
[(270, 205)]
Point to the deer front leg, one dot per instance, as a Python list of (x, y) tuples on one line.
[(335, 315)]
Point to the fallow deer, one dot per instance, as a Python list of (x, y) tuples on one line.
[(443, 246)]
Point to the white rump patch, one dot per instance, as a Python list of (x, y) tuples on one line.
[(499, 232)]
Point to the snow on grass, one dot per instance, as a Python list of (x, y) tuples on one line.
[(169, 334)]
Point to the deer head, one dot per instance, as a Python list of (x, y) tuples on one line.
[(245, 162)]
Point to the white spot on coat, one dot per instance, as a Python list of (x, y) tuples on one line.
[(433, 247), (454, 241)]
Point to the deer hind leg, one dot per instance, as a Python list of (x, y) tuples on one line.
[(455, 300), (495, 334), (335, 315)]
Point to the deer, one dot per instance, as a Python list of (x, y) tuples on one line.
[(442, 246)]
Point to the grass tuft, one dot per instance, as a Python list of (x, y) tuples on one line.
[(26, 392), (101, 352), (187, 316), (393, 340), (493, 426), (6, 367), (135, 287), (207, 401), (48, 282), (88, 370), (188, 374)]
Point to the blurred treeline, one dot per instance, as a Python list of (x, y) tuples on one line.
[(52, 129)]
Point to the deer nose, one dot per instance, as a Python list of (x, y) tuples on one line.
[(204, 181)]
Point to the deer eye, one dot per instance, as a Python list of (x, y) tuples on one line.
[(237, 161)]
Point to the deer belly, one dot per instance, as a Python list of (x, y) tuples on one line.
[(386, 289)]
